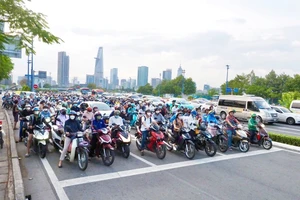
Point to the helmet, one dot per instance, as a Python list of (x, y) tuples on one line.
[(98, 113), (117, 112), (36, 109), (72, 112), (232, 111), (89, 109), (27, 105), (253, 115), (202, 126), (132, 104)]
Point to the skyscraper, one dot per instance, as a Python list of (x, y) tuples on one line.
[(155, 82), (89, 79), (167, 75), (63, 69), (114, 80), (179, 71), (98, 74), (142, 76)]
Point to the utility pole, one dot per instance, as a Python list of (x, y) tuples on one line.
[(32, 72), (183, 72), (227, 66)]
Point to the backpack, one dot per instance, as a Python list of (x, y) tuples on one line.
[(140, 121)]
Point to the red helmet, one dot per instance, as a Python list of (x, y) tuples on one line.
[(89, 109)]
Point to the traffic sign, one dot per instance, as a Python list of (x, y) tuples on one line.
[(236, 90), (228, 90), (35, 86)]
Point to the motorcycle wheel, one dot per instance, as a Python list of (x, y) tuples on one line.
[(267, 144), (82, 159), (211, 148), (244, 146), (161, 151), (109, 157), (169, 148), (42, 150), (223, 144), (138, 144), (125, 151), (189, 151)]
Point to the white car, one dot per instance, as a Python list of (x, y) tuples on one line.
[(286, 116), (198, 102), (207, 105), (102, 107)]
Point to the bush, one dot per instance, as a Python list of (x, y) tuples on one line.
[(286, 139)]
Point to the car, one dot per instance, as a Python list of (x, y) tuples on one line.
[(198, 102), (286, 116), (182, 103), (207, 105), (156, 101), (102, 107)]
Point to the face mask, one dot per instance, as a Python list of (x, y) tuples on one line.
[(148, 114), (72, 117), (116, 116), (99, 117), (157, 112), (36, 112), (45, 110), (27, 109)]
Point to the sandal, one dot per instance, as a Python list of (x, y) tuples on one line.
[(27, 155), (59, 166)]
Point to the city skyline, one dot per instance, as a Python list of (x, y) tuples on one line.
[(247, 35), (142, 77), (98, 72)]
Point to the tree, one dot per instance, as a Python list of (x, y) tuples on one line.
[(24, 26), (288, 97), (147, 89), (92, 86), (212, 92), (46, 85), (25, 88), (23, 82), (189, 86)]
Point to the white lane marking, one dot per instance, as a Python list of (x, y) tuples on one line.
[(291, 151), (146, 170), (142, 159), (220, 154), (54, 180), (133, 137)]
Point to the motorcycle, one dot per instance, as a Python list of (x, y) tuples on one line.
[(104, 147), (240, 139), (122, 140), (204, 141), (79, 147), (154, 143), (262, 137), (40, 140), (1, 136), (216, 131), (185, 143)]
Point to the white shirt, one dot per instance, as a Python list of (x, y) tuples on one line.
[(114, 120), (175, 109), (147, 121)]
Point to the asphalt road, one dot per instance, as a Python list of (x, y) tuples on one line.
[(257, 174), (284, 129)]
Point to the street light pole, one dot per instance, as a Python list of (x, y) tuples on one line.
[(227, 79), (32, 72)]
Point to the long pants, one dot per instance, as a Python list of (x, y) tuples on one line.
[(144, 138), (252, 136), (21, 129), (66, 146), (229, 135), (93, 144)]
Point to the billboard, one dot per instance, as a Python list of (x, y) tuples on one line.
[(42, 74)]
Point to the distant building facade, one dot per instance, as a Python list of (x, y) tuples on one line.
[(167, 74), (63, 69), (142, 76), (155, 82), (90, 79), (98, 73)]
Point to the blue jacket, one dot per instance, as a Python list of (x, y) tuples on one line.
[(46, 114), (98, 124), (211, 119)]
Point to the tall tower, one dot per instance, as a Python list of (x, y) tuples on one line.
[(63, 69), (179, 71), (142, 76), (99, 68)]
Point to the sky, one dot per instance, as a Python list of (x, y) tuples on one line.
[(202, 35)]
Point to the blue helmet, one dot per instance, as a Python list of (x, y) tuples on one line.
[(35, 109), (72, 112)]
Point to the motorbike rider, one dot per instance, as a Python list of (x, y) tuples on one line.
[(174, 108), (71, 126), (61, 119), (232, 122), (177, 125), (252, 123), (23, 114), (211, 117), (45, 112), (35, 120), (146, 122), (89, 113), (97, 124), (115, 120), (158, 117)]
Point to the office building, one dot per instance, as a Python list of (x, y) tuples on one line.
[(98, 74), (63, 69), (123, 84), (89, 79), (114, 80), (155, 82), (206, 87), (180, 71), (142, 76), (167, 74), (48, 80)]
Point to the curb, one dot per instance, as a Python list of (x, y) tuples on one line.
[(16, 170), (286, 146)]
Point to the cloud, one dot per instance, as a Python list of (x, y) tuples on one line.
[(232, 21)]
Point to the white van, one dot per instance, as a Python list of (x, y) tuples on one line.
[(245, 106), (295, 106)]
